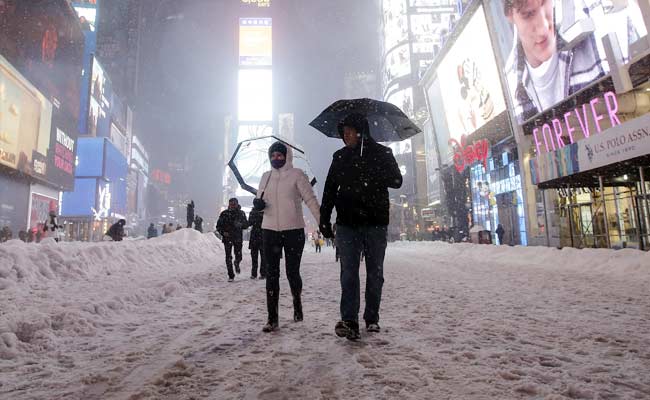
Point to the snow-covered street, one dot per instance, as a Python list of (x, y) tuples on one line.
[(157, 320)]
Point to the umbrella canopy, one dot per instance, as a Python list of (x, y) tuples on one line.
[(387, 122), (251, 160)]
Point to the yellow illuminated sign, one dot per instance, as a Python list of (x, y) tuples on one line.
[(260, 3), (255, 42)]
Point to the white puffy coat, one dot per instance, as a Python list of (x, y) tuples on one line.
[(284, 190)]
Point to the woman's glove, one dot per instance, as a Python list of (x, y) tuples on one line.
[(259, 204)]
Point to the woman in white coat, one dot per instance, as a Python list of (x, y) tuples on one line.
[(282, 192)]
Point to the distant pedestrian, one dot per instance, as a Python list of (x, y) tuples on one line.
[(198, 223), (116, 231), (190, 213), (51, 226), (255, 219), (317, 242), (5, 234), (500, 233), (230, 225), (152, 232)]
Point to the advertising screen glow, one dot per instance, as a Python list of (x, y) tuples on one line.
[(573, 57), (255, 41), (469, 79), (255, 95)]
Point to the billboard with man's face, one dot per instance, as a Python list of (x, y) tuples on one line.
[(552, 49)]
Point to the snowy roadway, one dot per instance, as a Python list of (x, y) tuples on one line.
[(157, 320)]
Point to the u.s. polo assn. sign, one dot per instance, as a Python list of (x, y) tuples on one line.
[(623, 142)]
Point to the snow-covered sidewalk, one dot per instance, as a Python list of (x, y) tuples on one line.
[(156, 319)]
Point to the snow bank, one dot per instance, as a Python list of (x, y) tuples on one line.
[(30, 264), (52, 290), (626, 262)]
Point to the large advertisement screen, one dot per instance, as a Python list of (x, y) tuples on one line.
[(90, 159), (82, 200), (255, 95), (553, 49), (255, 41), (433, 167), (41, 207), (25, 118), (397, 63), (44, 41), (62, 152), (469, 79), (395, 23), (99, 118)]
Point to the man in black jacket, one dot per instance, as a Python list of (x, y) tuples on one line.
[(357, 185), (230, 225), (255, 219)]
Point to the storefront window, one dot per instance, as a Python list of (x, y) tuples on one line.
[(497, 198)]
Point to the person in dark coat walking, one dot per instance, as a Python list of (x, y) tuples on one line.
[(116, 231), (190, 213), (198, 223), (230, 225), (255, 219), (500, 233), (152, 232), (357, 185)]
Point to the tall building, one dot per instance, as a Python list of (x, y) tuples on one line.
[(413, 32), (40, 66)]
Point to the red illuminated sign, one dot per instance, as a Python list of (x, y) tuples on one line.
[(466, 154), (161, 176)]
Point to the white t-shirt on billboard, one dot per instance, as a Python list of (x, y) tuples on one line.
[(548, 80)]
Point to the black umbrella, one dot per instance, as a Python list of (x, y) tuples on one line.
[(387, 122), (250, 160)]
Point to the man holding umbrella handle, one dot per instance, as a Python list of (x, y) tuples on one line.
[(357, 185)]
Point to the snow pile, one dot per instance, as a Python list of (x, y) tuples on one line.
[(25, 264), (626, 262), (51, 290)]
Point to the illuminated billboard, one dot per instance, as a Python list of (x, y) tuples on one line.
[(397, 63), (566, 54), (255, 95), (259, 3), (99, 119), (255, 42), (43, 40), (395, 23), (469, 79), (25, 118)]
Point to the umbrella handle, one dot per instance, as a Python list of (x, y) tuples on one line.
[(266, 184)]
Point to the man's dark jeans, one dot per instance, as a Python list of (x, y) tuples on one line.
[(350, 242)]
